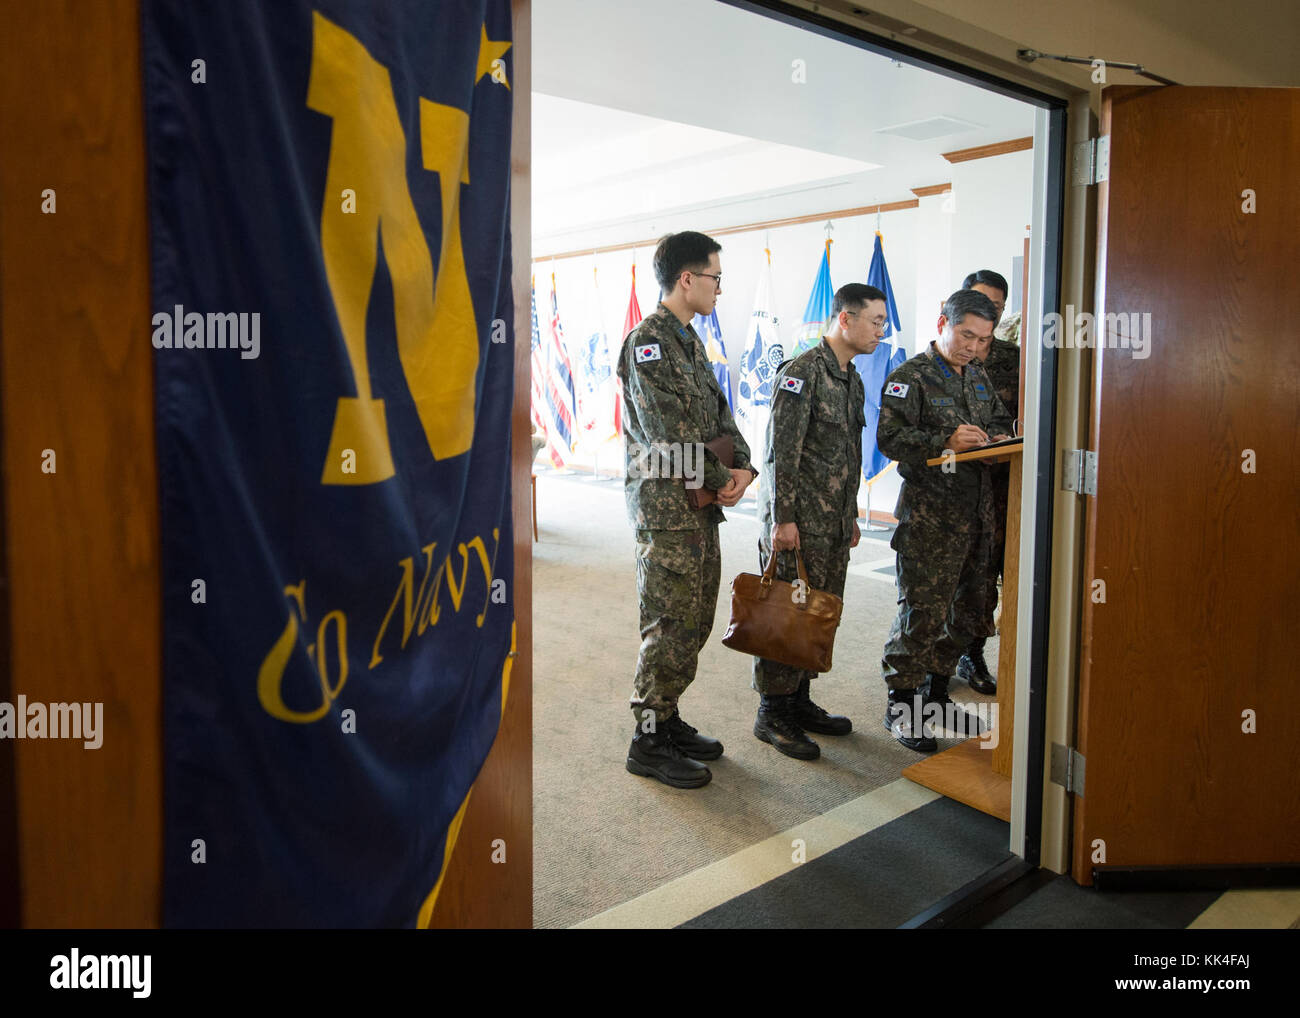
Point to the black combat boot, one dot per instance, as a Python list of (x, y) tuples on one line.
[(811, 718), (972, 668), (905, 722), (955, 718), (690, 741), (655, 755), (776, 725)]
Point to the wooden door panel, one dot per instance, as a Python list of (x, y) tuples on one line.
[(1200, 559)]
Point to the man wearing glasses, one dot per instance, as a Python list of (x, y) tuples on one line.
[(672, 406), (1001, 361), (939, 403)]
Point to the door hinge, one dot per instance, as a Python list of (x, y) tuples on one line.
[(1079, 471), (1092, 161), (1067, 768)]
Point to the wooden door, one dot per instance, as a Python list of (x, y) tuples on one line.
[(81, 832), (1194, 527)]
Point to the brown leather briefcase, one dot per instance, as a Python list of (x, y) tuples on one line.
[(775, 620), (725, 449)]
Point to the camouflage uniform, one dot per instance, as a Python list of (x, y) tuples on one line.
[(813, 466), (1002, 365), (1009, 329), (945, 519), (670, 395)]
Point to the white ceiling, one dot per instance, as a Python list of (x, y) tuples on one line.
[(615, 167), (645, 111)]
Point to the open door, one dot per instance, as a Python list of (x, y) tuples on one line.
[(1188, 718)]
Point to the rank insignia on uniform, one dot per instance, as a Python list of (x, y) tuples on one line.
[(649, 352), (794, 385), (896, 389)]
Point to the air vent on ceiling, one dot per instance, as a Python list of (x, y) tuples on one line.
[(934, 127)]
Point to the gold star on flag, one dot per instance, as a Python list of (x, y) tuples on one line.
[(488, 52)]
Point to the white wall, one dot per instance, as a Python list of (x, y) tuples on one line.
[(991, 213), (796, 255)]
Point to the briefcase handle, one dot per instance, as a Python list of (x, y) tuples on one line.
[(769, 574)]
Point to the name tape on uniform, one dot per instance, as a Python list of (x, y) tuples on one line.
[(649, 352), (794, 385), (896, 389)]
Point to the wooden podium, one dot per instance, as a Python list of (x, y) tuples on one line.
[(969, 773)]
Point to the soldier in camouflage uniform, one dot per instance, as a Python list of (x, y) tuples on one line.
[(672, 405), (808, 498), (939, 400), (1001, 361)]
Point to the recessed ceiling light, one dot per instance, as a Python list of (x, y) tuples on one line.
[(932, 127)]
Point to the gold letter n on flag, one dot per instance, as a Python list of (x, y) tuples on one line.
[(437, 336)]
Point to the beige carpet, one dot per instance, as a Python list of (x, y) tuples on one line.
[(602, 836)]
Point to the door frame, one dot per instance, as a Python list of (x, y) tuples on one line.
[(1062, 253)]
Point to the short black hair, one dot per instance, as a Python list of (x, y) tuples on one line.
[(679, 251), (854, 297), (969, 302), (987, 277)]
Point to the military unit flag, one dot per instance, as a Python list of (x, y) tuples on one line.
[(710, 333), (818, 309), (762, 355), (595, 364), (537, 363)]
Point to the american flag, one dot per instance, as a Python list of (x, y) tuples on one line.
[(560, 396)]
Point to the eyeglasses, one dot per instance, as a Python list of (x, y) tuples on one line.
[(716, 279)]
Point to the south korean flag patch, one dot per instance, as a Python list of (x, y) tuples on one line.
[(898, 389), (794, 385), (647, 352)]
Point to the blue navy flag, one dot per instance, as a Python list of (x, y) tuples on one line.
[(876, 366), (330, 242), (878, 276)]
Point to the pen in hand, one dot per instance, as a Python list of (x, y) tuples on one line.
[(969, 425)]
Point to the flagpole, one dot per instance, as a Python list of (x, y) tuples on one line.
[(595, 449), (875, 528)]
